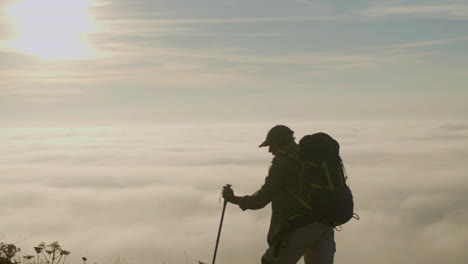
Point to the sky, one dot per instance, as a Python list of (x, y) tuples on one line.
[(144, 62), (120, 121)]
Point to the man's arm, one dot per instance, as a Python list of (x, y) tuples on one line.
[(263, 196)]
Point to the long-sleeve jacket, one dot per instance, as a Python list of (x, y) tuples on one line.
[(283, 173)]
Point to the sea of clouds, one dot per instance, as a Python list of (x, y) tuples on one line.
[(152, 194)]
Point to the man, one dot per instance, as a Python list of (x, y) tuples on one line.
[(287, 242)]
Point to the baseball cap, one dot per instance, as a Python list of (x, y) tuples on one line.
[(277, 133)]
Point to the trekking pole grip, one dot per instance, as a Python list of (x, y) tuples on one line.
[(229, 187)]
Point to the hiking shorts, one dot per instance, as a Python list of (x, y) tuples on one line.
[(315, 242)]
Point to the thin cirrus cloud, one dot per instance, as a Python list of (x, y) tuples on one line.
[(193, 64), (430, 43), (424, 10)]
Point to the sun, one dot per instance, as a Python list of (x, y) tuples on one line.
[(52, 28)]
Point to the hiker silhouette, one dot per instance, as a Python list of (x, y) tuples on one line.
[(293, 232)]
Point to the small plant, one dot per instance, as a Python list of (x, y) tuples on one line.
[(8, 252), (51, 254)]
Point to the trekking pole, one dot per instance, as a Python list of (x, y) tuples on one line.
[(220, 225)]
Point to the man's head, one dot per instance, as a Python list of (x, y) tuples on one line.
[(278, 137)]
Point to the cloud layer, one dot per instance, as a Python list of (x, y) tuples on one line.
[(150, 194)]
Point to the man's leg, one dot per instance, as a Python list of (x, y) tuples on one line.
[(323, 251), (296, 244)]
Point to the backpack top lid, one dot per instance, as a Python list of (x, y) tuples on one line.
[(319, 147)]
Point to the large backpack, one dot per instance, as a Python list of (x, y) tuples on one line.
[(323, 190)]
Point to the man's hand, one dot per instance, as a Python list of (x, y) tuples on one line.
[(228, 195)]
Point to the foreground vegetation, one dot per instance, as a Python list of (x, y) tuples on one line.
[(51, 253)]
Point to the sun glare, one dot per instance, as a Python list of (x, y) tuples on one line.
[(52, 28)]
